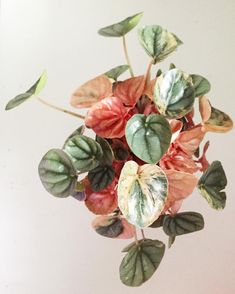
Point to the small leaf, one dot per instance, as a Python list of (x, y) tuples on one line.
[(78, 131), (80, 196), (171, 241), (101, 177), (115, 72), (120, 29), (158, 222), (211, 184), (142, 193), (141, 261), (34, 90), (201, 85), (84, 152), (108, 156), (149, 136), (172, 66), (183, 223), (113, 227), (158, 42), (174, 94), (57, 173)]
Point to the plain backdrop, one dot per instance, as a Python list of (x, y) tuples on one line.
[(47, 245)]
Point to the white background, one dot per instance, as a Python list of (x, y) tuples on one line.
[(46, 244)]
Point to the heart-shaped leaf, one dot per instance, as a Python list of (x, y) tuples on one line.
[(78, 131), (174, 93), (130, 90), (142, 193), (112, 226), (108, 155), (149, 136), (101, 177), (91, 92), (141, 261), (85, 152), (211, 184), (115, 72), (158, 42), (34, 90), (183, 223), (201, 85), (102, 202), (57, 173), (108, 118), (120, 29)]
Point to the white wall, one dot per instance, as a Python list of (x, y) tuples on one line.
[(46, 244)]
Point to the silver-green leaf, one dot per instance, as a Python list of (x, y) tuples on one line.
[(121, 28), (34, 90), (158, 42), (149, 136), (141, 262), (78, 131), (101, 177), (57, 173), (211, 185), (201, 85), (115, 72)]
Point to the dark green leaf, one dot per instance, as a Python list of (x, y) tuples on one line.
[(201, 85), (158, 42), (211, 184), (108, 226), (115, 72), (120, 29), (57, 173), (101, 177), (174, 94), (159, 72), (171, 241), (141, 261), (172, 66), (149, 136), (107, 158), (85, 152), (34, 90), (78, 131), (159, 222), (183, 223)]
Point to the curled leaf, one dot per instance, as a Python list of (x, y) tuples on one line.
[(201, 85), (115, 72)]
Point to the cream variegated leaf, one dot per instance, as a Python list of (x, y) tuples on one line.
[(142, 193)]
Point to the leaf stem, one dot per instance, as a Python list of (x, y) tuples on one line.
[(148, 72), (127, 56), (142, 233), (59, 108), (135, 236)]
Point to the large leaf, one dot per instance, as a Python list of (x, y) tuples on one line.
[(174, 93), (57, 173), (142, 193), (101, 177), (120, 29), (108, 155), (84, 152), (201, 85), (34, 90), (130, 90), (91, 92), (112, 226), (78, 131), (158, 42), (149, 136), (115, 72), (211, 185), (108, 118), (183, 223), (141, 261)]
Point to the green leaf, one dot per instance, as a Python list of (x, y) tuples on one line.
[(159, 72), (107, 158), (101, 177), (115, 72), (158, 42), (201, 85), (171, 241), (34, 90), (149, 136), (57, 173), (142, 193), (159, 222), (211, 184), (84, 152), (120, 29), (174, 94), (109, 226), (183, 223), (78, 131), (141, 261), (172, 66)]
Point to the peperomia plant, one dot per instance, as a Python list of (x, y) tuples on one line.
[(145, 156)]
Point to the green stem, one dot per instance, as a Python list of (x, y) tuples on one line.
[(127, 56), (143, 235), (135, 236), (60, 109)]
